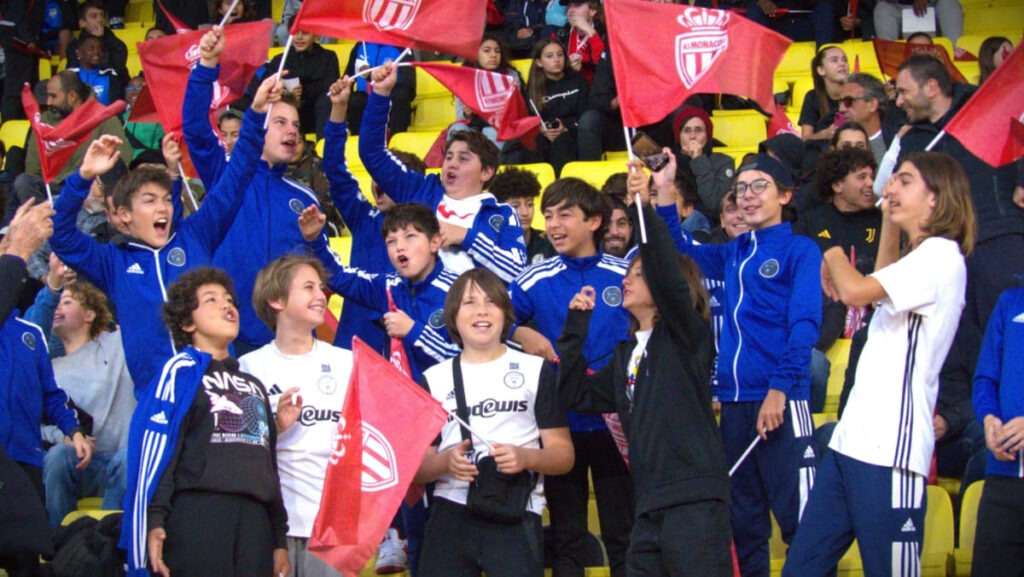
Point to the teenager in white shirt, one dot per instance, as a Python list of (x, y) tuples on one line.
[(870, 485), (306, 380)]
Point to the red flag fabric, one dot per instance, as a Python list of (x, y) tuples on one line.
[(438, 25), (663, 53), (169, 60), (781, 124), (144, 109), (399, 358), (853, 18), (56, 144), (386, 425), (892, 53), (989, 125), (176, 23), (495, 97)]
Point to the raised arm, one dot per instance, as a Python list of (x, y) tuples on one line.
[(207, 155), (355, 210), (367, 289), (577, 390)]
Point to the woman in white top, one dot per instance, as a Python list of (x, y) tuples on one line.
[(870, 485), (513, 409)]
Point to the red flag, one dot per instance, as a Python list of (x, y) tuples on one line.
[(989, 125), (663, 53), (853, 18), (495, 97), (781, 124), (856, 63), (144, 109), (387, 423), (438, 25), (176, 23), (171, 58), (892, 53), (56, 144), (399, 358)]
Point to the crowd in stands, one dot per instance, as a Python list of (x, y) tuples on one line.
[(656, 342)]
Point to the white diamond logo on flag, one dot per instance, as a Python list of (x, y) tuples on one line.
[(493, 90), (51, 147), (390, 14), (338, 442), (380, 469), (706, 40), (193, 54)]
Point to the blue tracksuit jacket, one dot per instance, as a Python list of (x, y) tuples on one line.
[(135, 275), (368, 250), (772, 305), (266, 226), (428, 342), (999, 375), (542, 294), (495, 240), (27, 389)]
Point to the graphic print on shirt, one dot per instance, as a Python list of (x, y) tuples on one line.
[(239, 410)]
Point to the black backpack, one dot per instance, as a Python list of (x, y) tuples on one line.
[(88, 548)]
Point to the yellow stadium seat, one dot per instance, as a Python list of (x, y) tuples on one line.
[(14, 133), (746, 130), (427, 86), (342, 246), (139, 11), (938, 533), (794, 116), (418, 143), (963, 555), (970, 70), (131, 35), (45, 68), (343, 48), (134, 64), (522, 65), (839, 355), (736, 152), (865, 51), (90, 503), (432, 114), (796, 63), (800, 89), (994, 19), (593, 171), (78, 514), (616, 155), (821, 419), (365, 182), (273, 52), (276, 9), (352, 159)]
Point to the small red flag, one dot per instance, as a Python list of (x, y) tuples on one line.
[(781, 124), (399, 358), (438, 25), (176, 23), (56, 144), (989, 125), (386, 425), (663, 53), (853, 18), (492, 95), (892, 53)]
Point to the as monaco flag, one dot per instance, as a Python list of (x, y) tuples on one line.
[(663, 53), (167, 61), (56, 144), (990, 124), (892, 53), (495, 97), (439, 25), (386, 425), (781, 124)]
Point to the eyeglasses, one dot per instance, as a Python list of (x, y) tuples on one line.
[(848, 101), (756, 187)]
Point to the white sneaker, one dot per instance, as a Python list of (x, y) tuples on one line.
[(391, 554)]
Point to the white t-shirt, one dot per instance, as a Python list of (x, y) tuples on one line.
[(510, 399), (460, 212), (639, 351), (888, 418), (303, 449)]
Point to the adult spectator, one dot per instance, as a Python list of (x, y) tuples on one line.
[(366, 55), (94, 374), (712, 171), (22, 24), (525, 25), (930, 99), (65, 92), (863, 101), (618, 239), (949, 15), (92, 19), (105, 83), (797, 19)]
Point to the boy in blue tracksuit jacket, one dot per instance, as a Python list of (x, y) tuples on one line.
[(363, 219), (772, 304), (419, 288), (999, 406), (265, 226), (477, 229), (134, 271), (575, 217)]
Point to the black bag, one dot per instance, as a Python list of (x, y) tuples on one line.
[(492, 495), (88, 548)]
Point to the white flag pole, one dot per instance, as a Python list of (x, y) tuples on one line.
[(743, 457), (224, 20), (188, 187), (280, 69), (468, 428), (49, 195), (639, 209)]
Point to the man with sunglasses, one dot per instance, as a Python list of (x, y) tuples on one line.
[(864, 101)]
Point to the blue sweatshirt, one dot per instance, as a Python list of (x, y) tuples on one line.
[(27, 389), (542, 294), (369, 253), (495, 241), (135, 275), (772, 305), (999, 375), (267, 223), (428, 342)]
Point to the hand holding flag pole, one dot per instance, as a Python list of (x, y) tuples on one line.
[(639, 211), (280, 70), (188, 187)]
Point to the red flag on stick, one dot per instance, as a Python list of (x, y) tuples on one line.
[(781, 124), (386, 425), (56, 144), (989, 125), (398, 355), (439, 25), (663, 53), (892, 53), (493, 96)]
